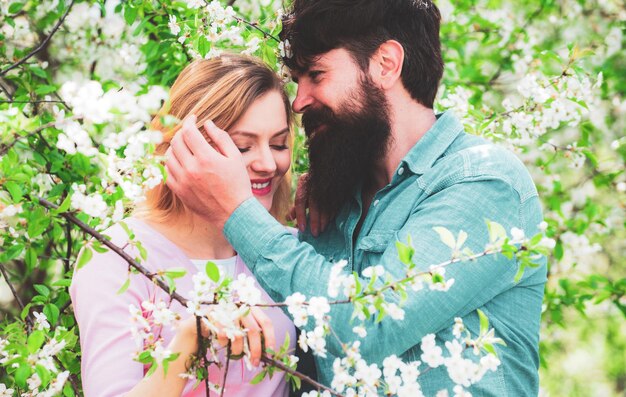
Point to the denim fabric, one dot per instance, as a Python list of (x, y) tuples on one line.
[(449, 179)]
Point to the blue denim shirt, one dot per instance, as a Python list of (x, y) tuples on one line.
[(450, 179)]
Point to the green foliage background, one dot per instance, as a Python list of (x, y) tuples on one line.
[(490, 47)]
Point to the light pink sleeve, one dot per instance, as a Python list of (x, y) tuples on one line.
[(104, 323)]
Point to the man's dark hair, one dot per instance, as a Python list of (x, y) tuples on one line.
[(314, 27)]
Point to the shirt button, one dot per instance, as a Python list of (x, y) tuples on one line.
[(401, 171), (376, 202)]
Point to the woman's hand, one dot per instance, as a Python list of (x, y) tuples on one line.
[(260, 334), (259, 331)]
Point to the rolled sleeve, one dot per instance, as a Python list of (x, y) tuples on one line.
[(251, 229)]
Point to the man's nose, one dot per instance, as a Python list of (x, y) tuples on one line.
[(303, 98)]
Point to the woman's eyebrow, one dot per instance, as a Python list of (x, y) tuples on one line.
[(254, 134)]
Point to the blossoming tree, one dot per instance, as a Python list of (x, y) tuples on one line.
[(80, 81)]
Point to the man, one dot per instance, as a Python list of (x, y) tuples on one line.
[(387, 168)]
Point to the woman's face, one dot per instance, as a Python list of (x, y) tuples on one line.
[(262, 136)]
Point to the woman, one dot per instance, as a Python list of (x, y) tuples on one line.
[(242, 96)]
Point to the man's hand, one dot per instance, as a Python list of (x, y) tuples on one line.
[(210, 179), (318, 220)]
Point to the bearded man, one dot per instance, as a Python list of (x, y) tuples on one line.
[(386, 167)]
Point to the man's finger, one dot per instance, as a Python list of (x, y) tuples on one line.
[(254, 339), (291, 215), (324, 220), (172, 166), (180, 150), (314, 219), (300, 203), (222, 141), (267, 327), (193, 138)]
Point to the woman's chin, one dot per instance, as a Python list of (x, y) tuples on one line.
[(265, 201)]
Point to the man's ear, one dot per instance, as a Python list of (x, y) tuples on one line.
[(386, 64)]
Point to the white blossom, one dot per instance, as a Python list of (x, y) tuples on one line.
[(173, 26)]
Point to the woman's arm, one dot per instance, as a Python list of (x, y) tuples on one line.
[(171, 383)]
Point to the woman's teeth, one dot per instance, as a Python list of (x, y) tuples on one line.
[(259, 186)]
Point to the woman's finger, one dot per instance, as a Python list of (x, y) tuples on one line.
[(267, 327), (254, 339)]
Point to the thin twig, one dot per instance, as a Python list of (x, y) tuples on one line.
[(228, 351), (99, 237), (174, 295), (72, 377), (37, 101), (309, 380), (255, 25), (5, 148), (68, 253), (6, 92), (5, 274), (43, 43)]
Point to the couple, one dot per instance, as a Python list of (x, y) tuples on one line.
[(381, 163)]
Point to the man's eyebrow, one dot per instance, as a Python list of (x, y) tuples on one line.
[(254, 134)]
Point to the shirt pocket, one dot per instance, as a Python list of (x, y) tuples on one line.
[(370, 248)]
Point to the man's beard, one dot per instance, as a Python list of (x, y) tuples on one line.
[(349, 146)]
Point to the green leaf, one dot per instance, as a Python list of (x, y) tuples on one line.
[(98, 247), (129, 232), (84, 257), (22, 374), (212, 271), (405, 252), (496, 231), (65, 205), (203, 45), (259, 377), (31, 258), (170, 283), (145, 357), (64, 282), (558, 250), (15, 190), (153, 368), (44, 374), (52, 312), (45, 89), (16, 7), (176, 272), (446, 236), (143, 253), (14, 251), (124, 286), (490, 349), (520, 272), (35, 340), (484, 322), (130, 14), (42, 289)]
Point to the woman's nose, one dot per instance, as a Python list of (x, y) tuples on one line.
[(264, 162)]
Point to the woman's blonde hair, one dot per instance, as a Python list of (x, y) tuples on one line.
[(219, 89)]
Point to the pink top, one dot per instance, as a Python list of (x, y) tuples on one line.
[(107, 364)]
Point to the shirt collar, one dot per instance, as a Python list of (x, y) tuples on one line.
[(434, 143)]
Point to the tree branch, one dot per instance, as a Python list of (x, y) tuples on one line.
[(174, 295), (5, 148), (42, 44)]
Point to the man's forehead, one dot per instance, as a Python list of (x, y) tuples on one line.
[(303, 65)]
